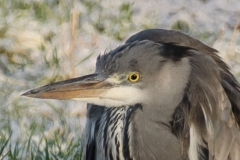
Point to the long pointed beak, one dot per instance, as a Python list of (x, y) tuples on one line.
[(82, 87)]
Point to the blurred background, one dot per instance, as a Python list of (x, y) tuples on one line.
[(44, 41)]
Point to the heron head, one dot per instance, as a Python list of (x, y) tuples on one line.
[(136, 72)]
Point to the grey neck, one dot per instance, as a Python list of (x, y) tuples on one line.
[(124, 127)]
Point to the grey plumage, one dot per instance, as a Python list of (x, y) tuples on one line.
[(186, 104)]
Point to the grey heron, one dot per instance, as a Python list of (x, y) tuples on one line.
[(162, 95)]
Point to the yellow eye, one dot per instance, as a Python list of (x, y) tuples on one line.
[(134, 77)]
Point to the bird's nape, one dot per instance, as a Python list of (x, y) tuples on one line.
[(161, 95)]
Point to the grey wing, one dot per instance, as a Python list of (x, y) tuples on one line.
[(224, 143), (207, 120), (220, 132)]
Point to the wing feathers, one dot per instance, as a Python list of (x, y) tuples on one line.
[(210, 107)]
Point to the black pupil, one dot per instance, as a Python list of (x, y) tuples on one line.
[(134, 77)]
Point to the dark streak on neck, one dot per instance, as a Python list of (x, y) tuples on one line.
[(126, 150)]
